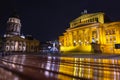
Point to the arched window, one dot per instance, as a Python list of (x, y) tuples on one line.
[(12, 43), (8, 43)]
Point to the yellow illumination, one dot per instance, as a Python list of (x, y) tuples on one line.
[(89, 33)]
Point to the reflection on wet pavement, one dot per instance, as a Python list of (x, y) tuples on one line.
[(63, 68), (95, 69), (7, 75)]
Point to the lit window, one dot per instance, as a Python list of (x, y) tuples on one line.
[(113, 31), (107, 40), (90, 20), (111, 39), (114, 39), (96, 19), (107, 32), (110, 32)]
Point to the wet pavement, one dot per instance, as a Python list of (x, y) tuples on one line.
[(40, 67), (7, 75)]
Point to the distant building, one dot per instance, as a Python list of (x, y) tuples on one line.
[(14, 41), (49, 46), (45, 47), (32, 45), (91, 33)]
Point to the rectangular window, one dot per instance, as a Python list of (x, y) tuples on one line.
[(96, 19)]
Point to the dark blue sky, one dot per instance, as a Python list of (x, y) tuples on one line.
[(48, 19)]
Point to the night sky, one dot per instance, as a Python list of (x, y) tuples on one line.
[(48, 19)]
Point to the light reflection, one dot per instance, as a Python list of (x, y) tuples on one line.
[(7, 75), (16, 78), (48, 66), (95, 69), (88, 68), (47, 73), (49, 57), (13, 65)]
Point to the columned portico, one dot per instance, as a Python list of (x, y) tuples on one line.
[(92, 31)]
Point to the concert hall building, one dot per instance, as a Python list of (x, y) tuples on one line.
[(93, 32)]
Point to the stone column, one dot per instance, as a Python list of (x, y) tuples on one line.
[(103, 38), (90, 35), (83, 36), (98, 34), (72, 38), (77, 37), (117, 33)]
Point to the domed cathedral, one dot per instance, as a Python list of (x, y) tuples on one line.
[(92, 32), (13, 26), (14, 41)]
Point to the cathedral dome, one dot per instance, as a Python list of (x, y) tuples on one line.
[(15, 15)]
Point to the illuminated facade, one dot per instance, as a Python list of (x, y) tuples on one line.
[(91, 33), (14, 42)]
